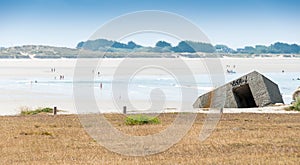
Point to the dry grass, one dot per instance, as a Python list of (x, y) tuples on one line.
[(238, 139)]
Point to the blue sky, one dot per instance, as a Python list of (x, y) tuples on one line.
[(235, 23)]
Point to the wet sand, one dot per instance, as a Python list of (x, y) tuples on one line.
[(13, 98)]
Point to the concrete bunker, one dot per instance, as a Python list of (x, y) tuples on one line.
[(244, 97), (248, 91)]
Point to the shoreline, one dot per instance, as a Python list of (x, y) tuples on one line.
[(256, 110)]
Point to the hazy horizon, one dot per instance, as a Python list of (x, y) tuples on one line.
[(64, 23)]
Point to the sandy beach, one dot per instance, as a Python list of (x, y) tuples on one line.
[(31, 83)]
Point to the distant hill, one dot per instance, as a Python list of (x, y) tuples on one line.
[(112, 49), (276, 48), (38, 51), (189, 47), (160, 46), (103, 45)]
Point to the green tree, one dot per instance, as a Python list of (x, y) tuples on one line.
[(162, 44)]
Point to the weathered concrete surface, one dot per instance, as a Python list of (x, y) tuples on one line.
[(251, 90)]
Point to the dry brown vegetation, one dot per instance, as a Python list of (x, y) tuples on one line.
[(238, 139)]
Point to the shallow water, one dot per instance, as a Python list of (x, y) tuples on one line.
[(37, 86)]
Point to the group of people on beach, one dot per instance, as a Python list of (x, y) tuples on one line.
[(35, 81), (61, 77), (229, 70)]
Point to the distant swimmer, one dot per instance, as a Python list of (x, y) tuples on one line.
[(100, 85)]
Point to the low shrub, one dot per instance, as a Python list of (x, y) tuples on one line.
[(36, 111), (296, 105), (141, 119)]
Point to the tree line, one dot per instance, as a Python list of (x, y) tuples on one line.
[(188, 47)]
